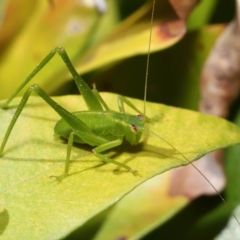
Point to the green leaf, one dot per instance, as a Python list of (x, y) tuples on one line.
[(131, 37), (12, 21), (53, 209), (232, 231), (142, 210), (197, 19), (67, 23)]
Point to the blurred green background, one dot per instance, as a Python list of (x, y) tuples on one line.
[(110, 49)]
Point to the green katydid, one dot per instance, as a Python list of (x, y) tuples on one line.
[(76, 127)]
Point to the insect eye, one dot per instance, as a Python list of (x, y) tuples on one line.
[(140, 117), (134, 128)]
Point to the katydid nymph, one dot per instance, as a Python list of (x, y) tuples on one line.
[(99, 127), (85, 126)]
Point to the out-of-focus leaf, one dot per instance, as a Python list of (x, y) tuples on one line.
[(132, 36), (66, 23), (13, 16), (74, 28), (106, 24), (232, 231), (213, 171), (148, 206), (197, 19), (183, 8), (173, 73), (220, 76), (218, 217), (56, 208)]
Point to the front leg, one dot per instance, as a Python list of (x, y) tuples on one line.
[(106, 146)]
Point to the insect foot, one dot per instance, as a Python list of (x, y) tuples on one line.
[(59, 178), (134, 172), (3, 106)]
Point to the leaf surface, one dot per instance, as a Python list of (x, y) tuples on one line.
[(52, 208)]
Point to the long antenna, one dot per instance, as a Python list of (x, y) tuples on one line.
[(144, 111), (148, 58), (217, 192)]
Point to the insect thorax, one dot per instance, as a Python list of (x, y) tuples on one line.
[(110, 125)]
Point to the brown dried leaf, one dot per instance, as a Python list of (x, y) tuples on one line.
[(220, 79), (188, 182), (183, 7), (220, 85)]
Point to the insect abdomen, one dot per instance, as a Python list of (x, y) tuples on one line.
[(103, 124)]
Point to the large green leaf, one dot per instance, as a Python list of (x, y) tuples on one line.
[(36, 206), (142, 210)]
